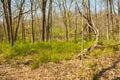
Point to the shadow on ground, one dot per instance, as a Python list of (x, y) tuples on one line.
[(100, 74), (117, 78)]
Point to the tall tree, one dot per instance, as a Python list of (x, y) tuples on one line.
[(49, 21), (119, 19), (95, 9), (44, 2), (64, 15), (8, 18), (111, 16), (76, 20), (89, 18), (20, 14), (108, 22), (23, 28), (32, 24)]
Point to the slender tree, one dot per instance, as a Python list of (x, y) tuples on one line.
[(111, 17), (49, 21), (23, 28), (20, 8), (32, 24), (76, 20), (44, 2), (95, 9), (8, 18), (108, 22), (119, 19), (89, 18)]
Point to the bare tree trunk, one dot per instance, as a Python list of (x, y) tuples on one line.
[(32, 24), (119, 19), (4, 27), (65, 20), (84, 51), (66, 28), (64, 17), (49, 25), (36, 16), (19, 18), (96, 9), (96, 31), (44, 2), (10, 22), (89, 18), (111, 16), (76, 21), (8, 18), (82, 46), (23, 29), (17, 27), (107, 35)]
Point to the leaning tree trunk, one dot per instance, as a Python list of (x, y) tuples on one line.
[(92, 26), (96, 31)]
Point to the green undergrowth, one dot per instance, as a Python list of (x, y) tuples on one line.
[(44, 52), (99, 52), (39, 52)]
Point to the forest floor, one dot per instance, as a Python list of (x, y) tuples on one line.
[(104, 67)]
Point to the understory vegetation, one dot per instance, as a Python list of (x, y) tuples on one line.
[(53, 51)]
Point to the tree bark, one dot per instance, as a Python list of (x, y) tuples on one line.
[(8, 18), (49, 25), (111, 17), (43, 18), (32, 24), (119, 20), (107, 34), (23, 29), (91, 25), (76, 21), (19, 18)]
